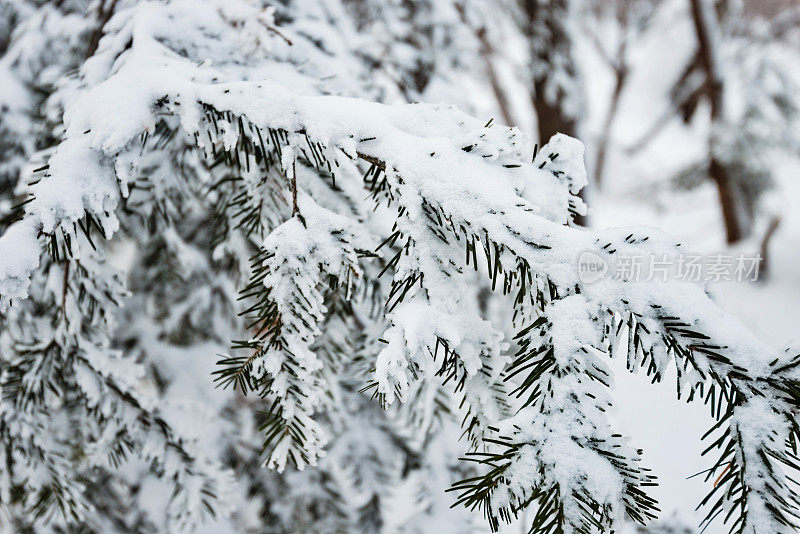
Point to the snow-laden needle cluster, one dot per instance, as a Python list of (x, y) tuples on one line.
[(355, 224)]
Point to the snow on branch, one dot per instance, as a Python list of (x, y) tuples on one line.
[(285, 308), (457, 186)]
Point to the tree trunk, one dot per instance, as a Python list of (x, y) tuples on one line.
[(605, 134), (727, 200), (706, 30), (487, 53), (764, 248), (551, 47)]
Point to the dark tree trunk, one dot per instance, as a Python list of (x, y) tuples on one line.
[(764, 248), (704, 28), (550, 116), (487, 53), (550, 46), (620, 67)]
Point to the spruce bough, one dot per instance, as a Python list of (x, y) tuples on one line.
[(367, 225)]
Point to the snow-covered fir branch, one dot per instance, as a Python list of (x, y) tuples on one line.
[(167, 127)]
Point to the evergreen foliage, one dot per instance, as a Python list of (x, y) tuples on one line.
[(342, 244)]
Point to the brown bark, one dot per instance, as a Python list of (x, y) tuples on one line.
[(717, 171), (550, 117), (727, 200), (543, 23), (552, 120)]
